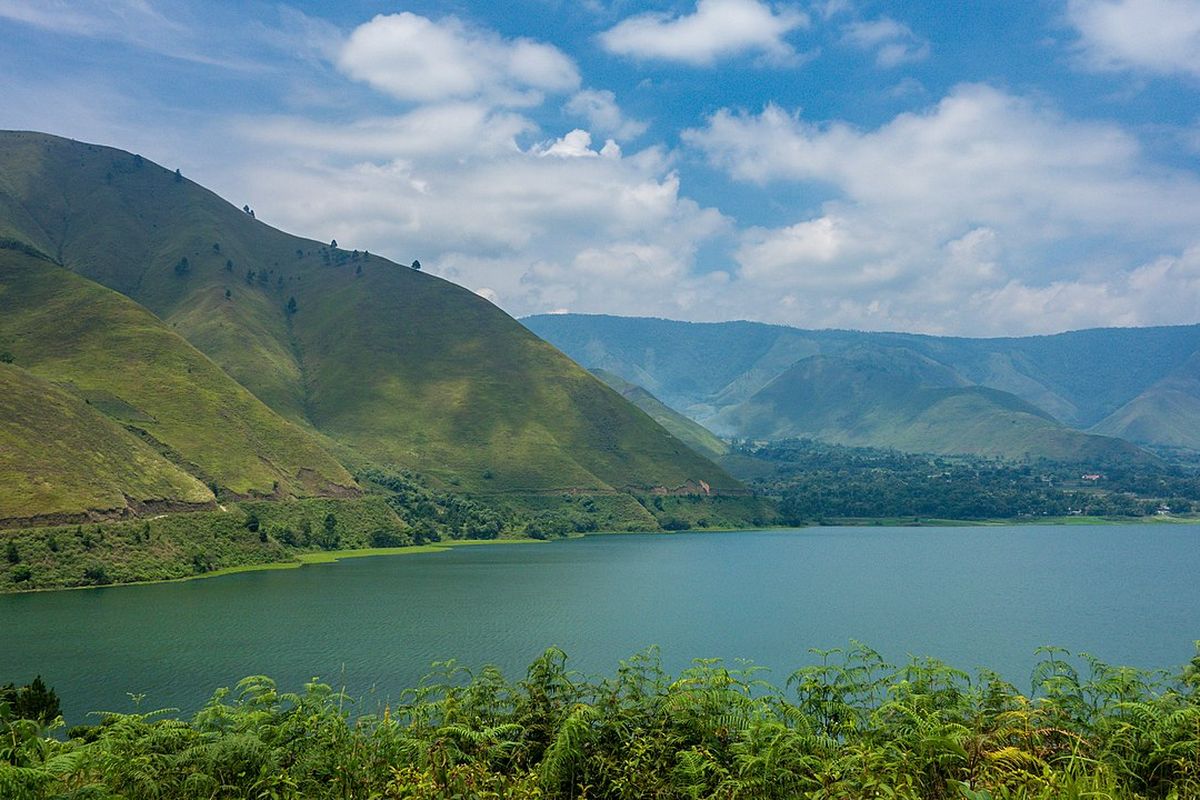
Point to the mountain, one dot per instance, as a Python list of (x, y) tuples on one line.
[(703, 369), (1164, 414), (904, 401), (275, 365), (691, 433)]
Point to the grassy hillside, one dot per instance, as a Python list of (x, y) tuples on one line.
[(61, 458), (1167, 413), (904, 401), (127, 364), (373, 362), (691, 433)]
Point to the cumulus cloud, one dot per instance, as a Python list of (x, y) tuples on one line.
[(1157, 36), (458, 129), (965, 216), (600, 109), (559, 224), (414, 58), (893, 42), (716, 29)]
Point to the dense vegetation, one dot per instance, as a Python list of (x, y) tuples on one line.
[(850, 726), (399, 510), (818, 482)]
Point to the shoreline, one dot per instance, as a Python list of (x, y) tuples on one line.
[(321, 557)]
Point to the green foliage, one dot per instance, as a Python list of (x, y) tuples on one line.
[(183, 545), (848, 726), (817, 481)]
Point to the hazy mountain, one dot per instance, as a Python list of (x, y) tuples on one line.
[(901, 400), (686, 430), (706, 369)]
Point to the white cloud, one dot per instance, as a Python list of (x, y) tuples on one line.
[(560, 224), (576, 144), (985, 213), (717, 29), (1158, 36), (455, 129), (144, 25), (414, 58), (600, 109), (893, 42)]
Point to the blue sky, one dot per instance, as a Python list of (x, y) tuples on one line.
[(973, 168)]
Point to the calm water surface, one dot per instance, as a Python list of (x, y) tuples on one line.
[(970, 596)]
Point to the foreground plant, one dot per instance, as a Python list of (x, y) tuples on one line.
[(849, 726)]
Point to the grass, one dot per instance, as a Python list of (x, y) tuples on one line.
[(103, 347), (60, 456)]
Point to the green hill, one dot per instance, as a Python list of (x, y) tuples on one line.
[(1166, 414), (371, 363), (691, 433), (129, 365), (898, 399), (61, 458)]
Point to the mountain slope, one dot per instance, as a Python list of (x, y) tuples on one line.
[(902, 400), (1167, 413), (691, 433), (129, 365), (1079, 377), (390, 366), (61, 458)]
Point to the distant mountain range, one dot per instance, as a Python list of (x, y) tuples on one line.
[(1084, 395), (161, 349)]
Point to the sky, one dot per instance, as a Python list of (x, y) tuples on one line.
[(977, 168)]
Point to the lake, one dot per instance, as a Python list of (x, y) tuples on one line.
[(972, 596)]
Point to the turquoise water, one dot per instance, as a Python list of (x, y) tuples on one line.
[(970, 596)]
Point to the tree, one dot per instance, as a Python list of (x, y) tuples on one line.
[(333, 244), (250, 276), (330, 538), (228, 294), (10, 552), (416, 264), (229, 265), (182, 267), (291, 305), (33, 701), (6, 357), (216, 247), (252, 523), (178, 176)]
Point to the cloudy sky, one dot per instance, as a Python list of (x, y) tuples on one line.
[(978, 168)]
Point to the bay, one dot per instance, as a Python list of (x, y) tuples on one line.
[(971, 596)]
